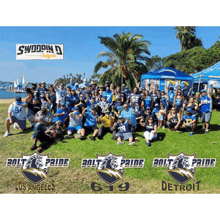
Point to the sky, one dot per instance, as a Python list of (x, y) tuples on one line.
[(81, 47)]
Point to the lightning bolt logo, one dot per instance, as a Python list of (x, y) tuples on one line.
[(111, 173), (183, 172), (36, 172)]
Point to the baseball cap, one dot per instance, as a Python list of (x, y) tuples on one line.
[(76, 108), (35, 99), (42, 82), (85, 80), (119, 117), (61, 84), (62, 103), (93, 108), (18, 98), (148, 108), (156, 104), (203, 90)]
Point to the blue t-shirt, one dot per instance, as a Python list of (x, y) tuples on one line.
[(171, 96), (130, 115), (178, 102), (62, 117), (90, 119), (123, 127), (207, 107), (150, 128)]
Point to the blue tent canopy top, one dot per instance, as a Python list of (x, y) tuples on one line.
[(167, 73), (213, 72)]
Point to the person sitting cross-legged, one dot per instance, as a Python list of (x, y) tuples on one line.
[(124, 130), (189, 121), (173, 120), (75, 124)]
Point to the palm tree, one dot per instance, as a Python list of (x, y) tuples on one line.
[(124, 60), (187, 37)]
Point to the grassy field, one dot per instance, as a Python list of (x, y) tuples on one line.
[(75, 179)]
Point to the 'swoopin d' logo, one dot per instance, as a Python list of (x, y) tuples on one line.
[(35, 168)]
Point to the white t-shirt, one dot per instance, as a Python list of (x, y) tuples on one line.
[(17, 111), (60, 94)]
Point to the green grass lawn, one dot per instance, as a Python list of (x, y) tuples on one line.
[(75, 179)]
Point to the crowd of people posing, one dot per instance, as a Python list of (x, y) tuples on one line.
[(64, 110)]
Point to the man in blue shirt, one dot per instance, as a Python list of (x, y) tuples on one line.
[(91, 122), (130, 114), (124, 131), (108, 94), (71, 84), (62, 114), (206, 108), (189, 121)]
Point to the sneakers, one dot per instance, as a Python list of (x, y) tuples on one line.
[(120, 142), (15, 126), (99, 137), (206, 131), (78, 136), (148, 144), (6, 134), (33, 147), (191, 134), (83, 138), (92, 138), (131, 143)]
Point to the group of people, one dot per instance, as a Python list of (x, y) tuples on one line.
[(79, 109)]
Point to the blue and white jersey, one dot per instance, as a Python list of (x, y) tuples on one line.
[(207, 106), (108, 95), (147, 101), (135, 98), (75, 121), (68, 99), (171, 96), (188, 119), (123, 127), (60, 94), (104, 106), (41, 92), (174, 119), (17, 111)]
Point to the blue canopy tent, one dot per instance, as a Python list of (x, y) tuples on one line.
[(165, 78), (209, 76)]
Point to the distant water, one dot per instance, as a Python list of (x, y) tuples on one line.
[(8, 95)]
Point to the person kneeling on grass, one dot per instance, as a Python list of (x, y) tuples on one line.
[(91, 121), (75, 124), (124, 130), (62, 114), (16, 116), (107, 121), (189, 121), (53, 133), (151, 129)]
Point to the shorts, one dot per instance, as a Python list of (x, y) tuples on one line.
[(73, 129), (205, 116), (124, 136), (91, 128), (21, 123), (161, 117)]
